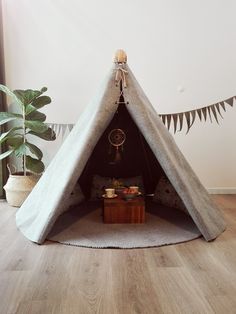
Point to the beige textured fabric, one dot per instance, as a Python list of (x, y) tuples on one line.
[(49, 198), (166, 195)]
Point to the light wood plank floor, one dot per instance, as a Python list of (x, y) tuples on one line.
[(193, 277)]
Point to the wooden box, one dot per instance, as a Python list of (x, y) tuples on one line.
[(117, 210)]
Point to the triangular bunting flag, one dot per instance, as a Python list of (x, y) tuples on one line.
[(175, 119), (199, 112), (213, 109), (230, 101)]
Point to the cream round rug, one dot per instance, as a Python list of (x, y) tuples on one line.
[(83, 226)]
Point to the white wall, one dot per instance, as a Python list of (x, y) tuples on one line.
[(68, 46)]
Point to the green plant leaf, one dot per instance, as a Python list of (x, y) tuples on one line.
[(15, 141), (34, 165), (4, 136), (6, 154), (8, 92), (41, 102), (27, 96), (48, 135), (34, 150), (29, 109), (36, 126), (44, 89), (8, 116), (20, 150), (36, 116)]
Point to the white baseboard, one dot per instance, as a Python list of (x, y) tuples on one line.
[(221, 190)]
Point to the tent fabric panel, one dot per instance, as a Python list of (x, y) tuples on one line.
[(201, 208), (49, 198)]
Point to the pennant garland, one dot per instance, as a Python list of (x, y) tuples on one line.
[(212, 113), (60, 128), (175, 119)]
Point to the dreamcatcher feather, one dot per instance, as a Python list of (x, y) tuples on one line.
[(211, 112)]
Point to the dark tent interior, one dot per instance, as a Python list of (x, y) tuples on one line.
[(135, 156)]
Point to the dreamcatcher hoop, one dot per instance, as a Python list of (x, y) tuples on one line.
[(117, 138)]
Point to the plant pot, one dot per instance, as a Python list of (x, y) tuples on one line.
[(18, 187)]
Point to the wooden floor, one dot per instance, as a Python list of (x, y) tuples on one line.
[(193, 277)]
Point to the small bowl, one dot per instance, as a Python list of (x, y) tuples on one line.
[(128, 196), (120, 190)]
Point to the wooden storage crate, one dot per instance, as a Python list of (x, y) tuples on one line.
[(117, 210)]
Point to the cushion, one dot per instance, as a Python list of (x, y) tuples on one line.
[(166, 195), (99, 184), (76, 196)]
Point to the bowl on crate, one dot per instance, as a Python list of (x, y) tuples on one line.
[(129, 197), (129, 194), (119, 190)]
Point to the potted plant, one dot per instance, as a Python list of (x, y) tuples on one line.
[(28, 122)]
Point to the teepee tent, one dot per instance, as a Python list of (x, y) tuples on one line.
[(50, 197)]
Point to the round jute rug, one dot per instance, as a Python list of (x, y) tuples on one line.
[(83, 226)]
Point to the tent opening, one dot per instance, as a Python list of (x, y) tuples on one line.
[(136, 157)]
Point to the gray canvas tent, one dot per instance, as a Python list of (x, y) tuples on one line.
[(49, 199)]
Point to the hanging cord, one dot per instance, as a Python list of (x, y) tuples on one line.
[(121, 75)]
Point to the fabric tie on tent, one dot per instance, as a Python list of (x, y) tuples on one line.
[(121, 76)]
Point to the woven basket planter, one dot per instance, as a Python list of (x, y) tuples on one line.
[(18, 187)]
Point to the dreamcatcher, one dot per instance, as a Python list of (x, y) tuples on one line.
[(116, 139)]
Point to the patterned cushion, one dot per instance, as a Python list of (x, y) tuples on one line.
[(166, 195), (99, 184), (76, 196)]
